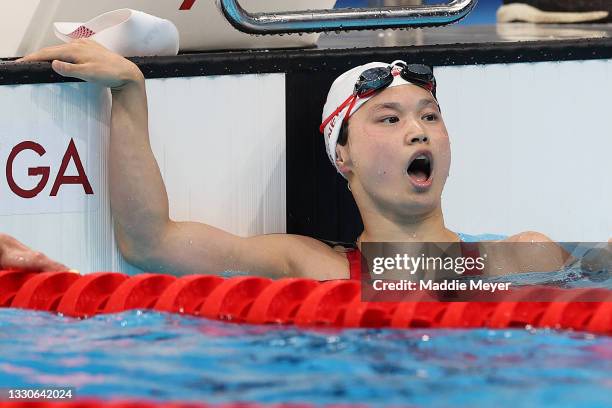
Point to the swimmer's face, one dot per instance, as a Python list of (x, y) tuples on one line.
[(398, 154)]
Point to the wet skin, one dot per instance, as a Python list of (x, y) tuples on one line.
[(15, 255), (385, 134)]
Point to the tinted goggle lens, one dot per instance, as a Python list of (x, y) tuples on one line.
[(421, 75), (419, 69), (373, 79)]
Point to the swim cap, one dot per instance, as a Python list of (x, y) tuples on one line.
[(127, 32), (340, 90)]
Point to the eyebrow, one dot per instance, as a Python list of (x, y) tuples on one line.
[(398, 106), (426, 102)]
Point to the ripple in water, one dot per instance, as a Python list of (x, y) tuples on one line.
[(170, 357)]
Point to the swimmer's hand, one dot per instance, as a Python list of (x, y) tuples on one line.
[(87, 60), (15, 255)]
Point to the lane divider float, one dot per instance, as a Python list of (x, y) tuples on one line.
[(303, 302)]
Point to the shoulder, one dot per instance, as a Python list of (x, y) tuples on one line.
[(305, 257), (311, 258), (548, 256), (528, 236)]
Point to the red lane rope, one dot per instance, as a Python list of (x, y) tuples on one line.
[(304, 302)]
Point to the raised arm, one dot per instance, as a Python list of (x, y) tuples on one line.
[(146, 235)]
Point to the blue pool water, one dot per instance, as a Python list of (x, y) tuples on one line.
[(149, 355), (170, 357)]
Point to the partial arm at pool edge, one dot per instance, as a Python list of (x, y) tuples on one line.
[(146, 235)]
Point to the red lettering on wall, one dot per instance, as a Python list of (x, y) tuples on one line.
[(187, 4), (44, 171), (32, 171), (81, 178)]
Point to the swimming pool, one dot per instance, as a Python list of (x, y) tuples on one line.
[(146, 355)]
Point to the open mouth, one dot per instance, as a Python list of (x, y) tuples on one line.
[(420, 168)]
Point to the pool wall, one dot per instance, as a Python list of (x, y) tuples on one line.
[(235, 135), (222, 158)]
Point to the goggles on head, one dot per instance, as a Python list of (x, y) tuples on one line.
[(374, 79)]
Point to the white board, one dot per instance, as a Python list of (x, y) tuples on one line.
[(228, 171), (531, 148)]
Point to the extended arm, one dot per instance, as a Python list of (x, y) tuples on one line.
[(15, 255)]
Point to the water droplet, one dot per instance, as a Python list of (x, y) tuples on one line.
[(333, 339)]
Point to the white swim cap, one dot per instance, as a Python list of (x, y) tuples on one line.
[(341, 89), (127, 32)]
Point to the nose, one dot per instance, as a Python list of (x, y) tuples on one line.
[(418, 139), (415, 133)]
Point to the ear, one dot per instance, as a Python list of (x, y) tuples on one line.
[(343, 159)]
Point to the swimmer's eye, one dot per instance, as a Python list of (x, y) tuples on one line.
[(390, 120), (430, 117)]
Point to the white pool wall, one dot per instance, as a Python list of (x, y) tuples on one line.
[(220, 150), (532, 148)]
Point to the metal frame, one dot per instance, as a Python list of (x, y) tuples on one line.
[(309, 21)]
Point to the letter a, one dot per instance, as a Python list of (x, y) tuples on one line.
[(61, 179)]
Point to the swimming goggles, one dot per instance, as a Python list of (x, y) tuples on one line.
[(374, 79)]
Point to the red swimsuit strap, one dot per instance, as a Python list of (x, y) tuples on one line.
[(468, 250), (354, 258)]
